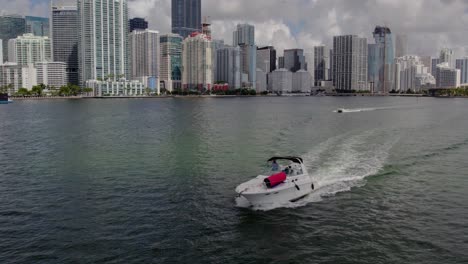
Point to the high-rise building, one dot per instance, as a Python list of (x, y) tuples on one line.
[(228, 63), (434, 63), (407, 69), (266, 59), (1, 52), (11, 26), (244, 35), (294, 60), (447, 77), (280, 81), (350, 63), (170, 72), (309, 60), (216, 44), (64, 34), (248, 65), (462, 65), (38, 26), (197, 65), (52, 74), (446, 55), (103, 39), (144, 57), (401, 45), (137, 23), (28, 48), (321, 64), (380, 60), (301, 81), (11, 74), (186, 17)]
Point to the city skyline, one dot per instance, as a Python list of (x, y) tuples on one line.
[(309, 23)]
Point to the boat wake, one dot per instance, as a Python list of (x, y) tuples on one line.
[(340, 164), (357, 110)]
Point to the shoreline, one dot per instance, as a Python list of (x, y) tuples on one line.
[(221, 96)]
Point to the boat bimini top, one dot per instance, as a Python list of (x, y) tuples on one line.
[(290, 158)]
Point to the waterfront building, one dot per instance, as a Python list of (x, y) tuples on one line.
[(266, 59), (28, 76), (144, 57), (301, 81), (401, 45), (11, 74), (103, 39), (244, 35), (11, 26), (262, 81), (51, 74), (446, 55), (137, 23), (380, 60), (407, 69), (38, 26), (186, 17), (321, 64), (29, 49), (294, 60), (424, 81), (447, 77), (228, 63), (64, 21), (350, 63), (171, 62), (280, 81), (197, 65), (462, 65), (116, 88)]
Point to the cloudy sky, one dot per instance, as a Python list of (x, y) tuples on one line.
[(429, 24)]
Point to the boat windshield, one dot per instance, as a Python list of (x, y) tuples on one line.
[(290, 168)]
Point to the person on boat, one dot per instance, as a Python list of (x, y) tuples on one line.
[(274, 166), (287, 170)]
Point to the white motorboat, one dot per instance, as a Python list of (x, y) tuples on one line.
[(287, 181)]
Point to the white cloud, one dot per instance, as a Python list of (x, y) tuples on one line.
[(429, 24)]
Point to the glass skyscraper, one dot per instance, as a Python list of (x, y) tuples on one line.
[(103, 39), (64, 23), (171, 62), (380, 60), (137, 23), (186, 17), (11, 26)]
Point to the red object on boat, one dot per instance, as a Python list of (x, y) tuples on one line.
[(275, 179)]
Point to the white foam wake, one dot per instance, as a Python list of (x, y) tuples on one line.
[(356, 110), (339, 164)]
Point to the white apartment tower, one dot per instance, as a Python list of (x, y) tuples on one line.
[(197, 65), (29, 49), (103, 39), (145, 56)]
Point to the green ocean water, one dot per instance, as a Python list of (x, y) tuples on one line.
[(152, 181)]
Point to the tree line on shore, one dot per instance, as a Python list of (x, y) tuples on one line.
[(42, 90)]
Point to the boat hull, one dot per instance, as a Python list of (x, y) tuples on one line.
[(282, 196)]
